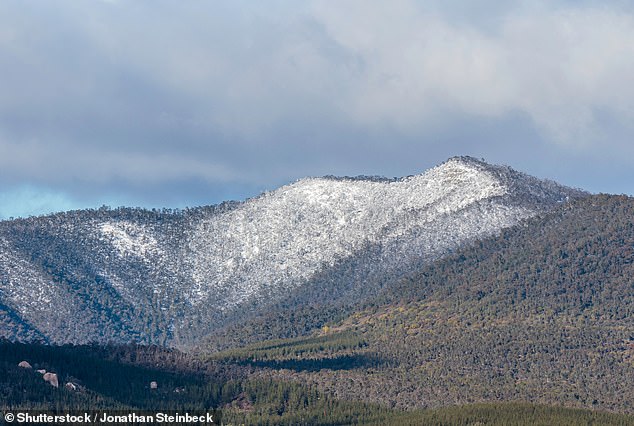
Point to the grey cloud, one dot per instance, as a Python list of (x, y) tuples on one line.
[(223, 99)]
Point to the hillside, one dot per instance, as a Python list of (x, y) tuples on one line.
[(117, 379), (541, 313), (173, 277)]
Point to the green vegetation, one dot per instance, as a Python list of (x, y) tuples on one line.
[(509, 414), (118, 377), (319, 346)]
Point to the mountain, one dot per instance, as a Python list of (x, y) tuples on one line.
[(542, 312), (173, 277)]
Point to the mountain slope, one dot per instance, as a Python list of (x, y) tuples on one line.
[(170, 278), (544, 313), (291, 233)]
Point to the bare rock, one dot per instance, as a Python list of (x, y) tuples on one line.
[(52, 379), (24, 364), (153, 385)]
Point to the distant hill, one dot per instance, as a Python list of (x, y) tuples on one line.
[(543, 312), (172, 278)]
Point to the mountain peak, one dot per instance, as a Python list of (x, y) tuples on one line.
[(467, 159)]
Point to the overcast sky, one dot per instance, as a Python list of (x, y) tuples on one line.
[(182, 103)]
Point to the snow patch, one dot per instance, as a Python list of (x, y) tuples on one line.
[(286, 236)]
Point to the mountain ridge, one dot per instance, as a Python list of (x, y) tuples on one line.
[(139, 275)]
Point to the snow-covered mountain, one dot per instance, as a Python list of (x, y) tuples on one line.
[(172, 277)]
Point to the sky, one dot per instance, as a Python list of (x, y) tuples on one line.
[(158, 103)]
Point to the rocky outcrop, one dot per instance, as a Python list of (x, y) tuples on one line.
[(52, 379), (25, 364)]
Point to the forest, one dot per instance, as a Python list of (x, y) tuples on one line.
[(117, 378)]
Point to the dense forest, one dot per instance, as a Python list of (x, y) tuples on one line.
[(119, 378)]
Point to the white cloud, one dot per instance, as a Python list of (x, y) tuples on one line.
[(243, 69), (557, 64)]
